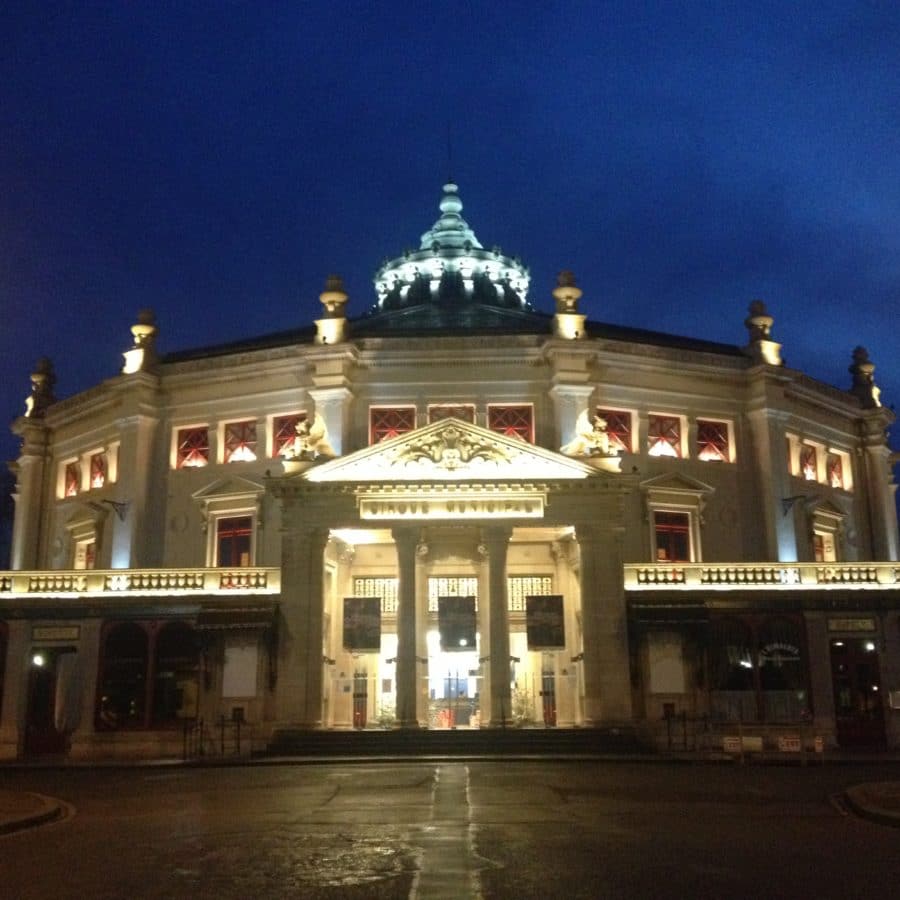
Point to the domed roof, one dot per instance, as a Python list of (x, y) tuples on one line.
[(451, 280)]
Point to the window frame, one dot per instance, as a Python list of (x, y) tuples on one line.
[(178, 462), (512, 431), (678, 445), (728, 456), (377, 408), (273, 450), (240, 439), (609, 415)]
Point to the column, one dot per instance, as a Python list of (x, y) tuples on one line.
[(299, 692), (607, 681), (875, 467), (496, 540), (88, 665), (406, 540), (15, 688), (30, 493), (333, 404)]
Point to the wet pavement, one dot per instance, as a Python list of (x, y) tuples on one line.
[(446, 829)]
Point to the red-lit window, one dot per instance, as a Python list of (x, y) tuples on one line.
[(284, 430), (618, 428), (808, 462), (513, 421), (712, 440), (240, 442), (390, 422), (464, 411), (233, 540), (72, 478), (664, 436), (673, 536), (98, 470), (835, 471), (193, 447)]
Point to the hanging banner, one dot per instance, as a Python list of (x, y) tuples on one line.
[(362, 624), (456, 623), (544, 622)]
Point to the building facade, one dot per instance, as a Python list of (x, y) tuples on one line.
[(453, 511)]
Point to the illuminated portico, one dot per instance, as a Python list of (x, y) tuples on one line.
[(456, 505)]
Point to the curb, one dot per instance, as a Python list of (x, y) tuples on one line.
[(52, 810), (865, 810)]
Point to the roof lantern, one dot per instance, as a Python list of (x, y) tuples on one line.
[(451, 269)]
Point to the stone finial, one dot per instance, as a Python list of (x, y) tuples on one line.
[(568, 323), (142, 355), (43, 380), (566, 292), (863, 371), (332, 327), (759, 327)]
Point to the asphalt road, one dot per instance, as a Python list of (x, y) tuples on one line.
[(452, 830)]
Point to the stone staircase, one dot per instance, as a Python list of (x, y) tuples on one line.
[(458, 743)]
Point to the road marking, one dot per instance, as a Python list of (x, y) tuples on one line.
[(448, 867)]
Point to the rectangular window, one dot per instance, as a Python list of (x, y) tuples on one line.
[(85, 554), (618, 428), (808, 463), (464, 411), (835, 468), (712, 441), (386, 422), (240, 442), (518, 587), (513, 421), (98, 470), (192, 447), (824, 549), (664, 436), (672, 531), (72, 480), (284, 430), (384, 588), (233, 541)]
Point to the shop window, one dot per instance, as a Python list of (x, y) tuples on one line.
[(389, 422), (240, 442), (464, 411), (234, 541), (618, 429), (782, 678), (834, 466), (122, 693), (284, 432), (712, 441), (176, 666), (71, 479), (192, 447), (672, 536), (98, 470), (664, 436), (808, 462), (732, 684), (513, 421)]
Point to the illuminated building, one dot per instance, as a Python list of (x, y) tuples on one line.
[(453, 510)]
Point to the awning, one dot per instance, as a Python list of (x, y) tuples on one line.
[(233, 618)]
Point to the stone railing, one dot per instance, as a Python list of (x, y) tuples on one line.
[(778, 576), (141, 582)]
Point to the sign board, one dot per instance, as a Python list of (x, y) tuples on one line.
[(750, 743), (544, 622), (453, 506), (789, 743), (362, 624), (846, 624), (731, 744), (55, 632)]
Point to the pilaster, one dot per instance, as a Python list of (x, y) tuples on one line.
[(406, 540), (333, 404), (31, 490)]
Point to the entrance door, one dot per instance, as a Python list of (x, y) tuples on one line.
[(45, 726), (360, 698), (548, 696), (856, 679)]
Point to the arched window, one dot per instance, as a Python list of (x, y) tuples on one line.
[(176, 667), (733, 692), (122, 687)]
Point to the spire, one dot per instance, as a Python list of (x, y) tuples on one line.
[(451, 231)]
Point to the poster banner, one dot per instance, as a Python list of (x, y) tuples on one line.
[(544, 622), (362, 624), (456, 623)]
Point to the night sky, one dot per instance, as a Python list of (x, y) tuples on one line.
[(216, 161)]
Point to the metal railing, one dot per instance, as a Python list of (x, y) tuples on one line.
[(221, 738)]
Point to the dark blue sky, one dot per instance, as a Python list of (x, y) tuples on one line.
[(216, 161)]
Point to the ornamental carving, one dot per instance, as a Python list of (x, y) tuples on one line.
[(451, 449)]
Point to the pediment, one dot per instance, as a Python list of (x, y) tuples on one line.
[(826, 508), (450, 450), (230, 486), (676, 483)]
